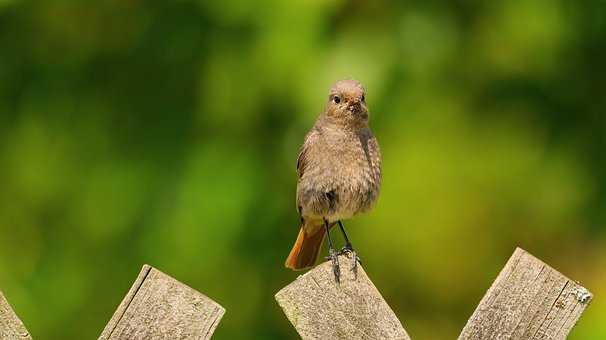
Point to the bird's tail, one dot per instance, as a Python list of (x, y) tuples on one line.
[(307, 247)]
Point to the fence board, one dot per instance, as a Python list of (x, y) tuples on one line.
[(319, 308), (528, 300), (160, 307), (10, 325)]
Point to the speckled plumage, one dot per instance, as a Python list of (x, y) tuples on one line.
[(339, 165), (340, 173)]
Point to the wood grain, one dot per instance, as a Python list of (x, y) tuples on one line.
[(528, 300), (160, 307), (319, 308), (10, 325)]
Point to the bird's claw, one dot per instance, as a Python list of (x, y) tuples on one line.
[(334, 257), (351, 253)]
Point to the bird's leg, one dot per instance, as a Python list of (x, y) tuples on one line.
[(332, 254), (349, 249)]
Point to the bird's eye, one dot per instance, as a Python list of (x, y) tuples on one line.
[(362, 98), (336, 99)]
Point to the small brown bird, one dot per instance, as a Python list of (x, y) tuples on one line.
[(339, 169)]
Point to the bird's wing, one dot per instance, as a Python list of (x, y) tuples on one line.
[(302, 159), (375, 152)]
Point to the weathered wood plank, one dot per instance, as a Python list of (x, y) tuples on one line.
[(160, 307), (319, 308), (10, 325), (528, 300)]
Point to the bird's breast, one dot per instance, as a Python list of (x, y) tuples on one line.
[(343, 179), (355, 177)]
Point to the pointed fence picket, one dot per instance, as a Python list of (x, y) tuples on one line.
[(528, 300)]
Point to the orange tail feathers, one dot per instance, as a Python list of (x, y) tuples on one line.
[(306, 249)]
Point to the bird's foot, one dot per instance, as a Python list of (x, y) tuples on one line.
[(351, 253), (334, 257)]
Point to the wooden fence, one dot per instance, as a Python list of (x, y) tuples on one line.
[(528, 300)]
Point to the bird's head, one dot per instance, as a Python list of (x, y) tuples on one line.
[(347, 104)]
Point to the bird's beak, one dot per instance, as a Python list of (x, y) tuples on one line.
[(354, 106)]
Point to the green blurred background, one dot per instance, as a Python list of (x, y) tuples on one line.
[(166, 132)]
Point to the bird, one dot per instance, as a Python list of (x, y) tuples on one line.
[(339, 175)]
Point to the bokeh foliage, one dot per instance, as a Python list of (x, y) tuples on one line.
[(166, 132)]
